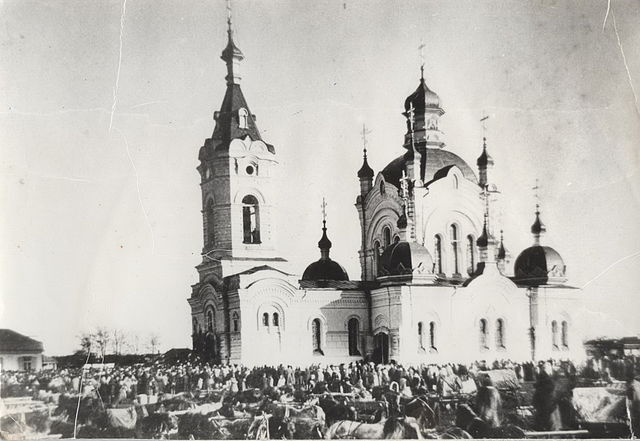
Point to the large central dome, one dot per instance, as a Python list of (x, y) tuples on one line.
[(437, 159)]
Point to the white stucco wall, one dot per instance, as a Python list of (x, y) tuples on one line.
[(14, 361)]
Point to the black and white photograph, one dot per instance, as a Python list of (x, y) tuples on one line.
[(332, 219)]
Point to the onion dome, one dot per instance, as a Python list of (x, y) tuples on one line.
[(325, 268), (539, 265), (483, 240), (538, 228), (231, 51), (405, 258), (484, 159), (502, 252), (365, 171), (422, 98)]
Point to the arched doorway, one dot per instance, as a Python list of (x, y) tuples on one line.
[(381, 348)]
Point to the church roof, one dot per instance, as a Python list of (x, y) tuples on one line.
[(12, 341), (325, 269), (227, 124), (344, 285), (404, 257), (539, 265), (437, 159)]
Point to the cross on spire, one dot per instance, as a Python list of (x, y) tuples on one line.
[(324, 211), (404, 185), (421, 47), (229, 15), (483, 120), (365, 132), (411, 113), (536, 195)]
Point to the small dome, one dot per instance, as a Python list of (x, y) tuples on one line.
[(436, 160), (422, 98), (406, 258), (231, 51), (484, 159), (365, 171), (538, 227), (502, 251), (539, 265), (325, 269)]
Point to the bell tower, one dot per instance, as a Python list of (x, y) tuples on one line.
[(236, 167)]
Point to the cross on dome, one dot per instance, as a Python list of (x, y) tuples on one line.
[(324, 211), (421, 47)]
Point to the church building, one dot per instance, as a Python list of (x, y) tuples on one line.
[(437, 283)]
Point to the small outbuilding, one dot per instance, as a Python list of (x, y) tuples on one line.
[(19, 352)]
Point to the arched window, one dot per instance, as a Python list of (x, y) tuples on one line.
[(276, 319), (386, 236), (194, 322), (500, 334), (243, 118), (432, 335), (316, 337), (376, 258), (210, 320), (210, 226), (437, 255), (484, 334), (250, 219), (455, 181), (565, 334), (420, 336), (396, 239), (471, 260), (236, 322), (353, 328), (265, 319), (554, 334), (382, 189), (453, 234)]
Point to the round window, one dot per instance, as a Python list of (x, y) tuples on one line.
[(250, 169)]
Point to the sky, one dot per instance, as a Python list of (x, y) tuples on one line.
[(105, 105)]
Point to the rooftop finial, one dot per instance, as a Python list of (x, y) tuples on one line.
[(324, 212), (483, 120), (538, 228), (365, 132), (324, 244), (229, 16), (421, 47)]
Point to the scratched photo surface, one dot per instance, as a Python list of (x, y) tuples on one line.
[(414, 209)]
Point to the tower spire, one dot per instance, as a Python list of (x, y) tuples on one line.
[(485, 161), (231, 55), (365, 173), (421, 47), (324, 244), (538, 228)]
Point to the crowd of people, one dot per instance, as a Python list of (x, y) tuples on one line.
[(117, 387), (124, 383)]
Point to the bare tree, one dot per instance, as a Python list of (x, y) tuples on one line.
[(102, 337), (132, 343), (119, 338), (154, 343)]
